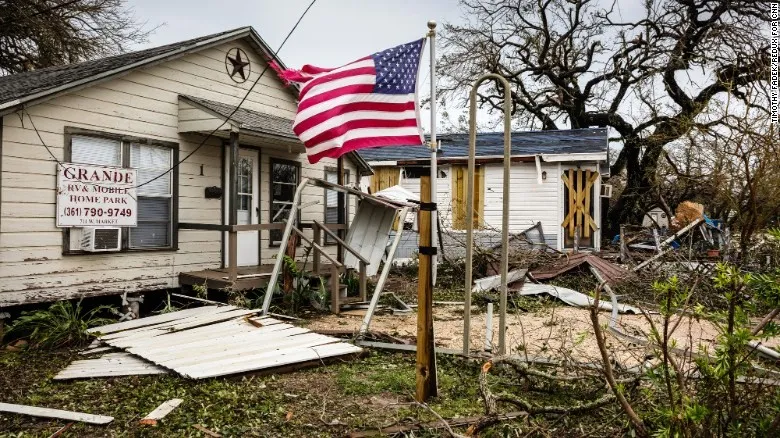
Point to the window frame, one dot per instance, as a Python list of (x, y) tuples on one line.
[(271, 162), (125, 143)]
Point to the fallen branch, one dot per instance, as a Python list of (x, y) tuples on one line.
[(639, 425), (210, 433), (439, 424)]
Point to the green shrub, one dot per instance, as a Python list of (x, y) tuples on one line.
[(61, 325)]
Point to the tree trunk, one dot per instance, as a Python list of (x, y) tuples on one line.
[(638, 195)]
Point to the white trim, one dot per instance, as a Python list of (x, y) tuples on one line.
[(538, 169), (552, 158), (382, 163)]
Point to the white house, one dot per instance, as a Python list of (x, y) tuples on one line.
[(158, 121), (556, 178)]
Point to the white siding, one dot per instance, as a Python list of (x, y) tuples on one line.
[(142, 103)]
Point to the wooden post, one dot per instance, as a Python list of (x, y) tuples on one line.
[(233, 209), (316, 255), (363, 281), (426, 360), (334, 289), (233, 256), (340, 202)]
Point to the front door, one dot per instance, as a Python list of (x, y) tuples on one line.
[(248, 200)]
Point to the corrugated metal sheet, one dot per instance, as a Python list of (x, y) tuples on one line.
[(108, 365), (216, 341)]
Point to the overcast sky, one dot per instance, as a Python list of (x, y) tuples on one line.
[(333, 33)]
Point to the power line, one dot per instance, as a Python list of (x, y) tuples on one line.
[(211, 134)]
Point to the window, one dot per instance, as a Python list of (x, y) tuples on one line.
[(155, 197), (284, 182), (331, 201)]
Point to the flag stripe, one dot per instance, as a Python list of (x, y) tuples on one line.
[(357, 79), (345, 127), (343, 98), (364, 133), (344, 71), (330, 118)]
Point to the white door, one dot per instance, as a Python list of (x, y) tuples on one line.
[(248, 206)]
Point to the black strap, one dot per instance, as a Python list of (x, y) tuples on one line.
[(427, 206), (428, 250)]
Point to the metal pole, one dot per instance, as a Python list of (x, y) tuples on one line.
[(470, 211)]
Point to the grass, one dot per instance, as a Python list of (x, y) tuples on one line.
[(372, 391)]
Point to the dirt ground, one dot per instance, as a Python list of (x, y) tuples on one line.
[(556, 331)]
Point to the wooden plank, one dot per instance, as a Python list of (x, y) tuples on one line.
[(572, 205), (35, 411), (586, 226), (161, 411)]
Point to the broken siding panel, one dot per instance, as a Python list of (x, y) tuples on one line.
[(143, 104)]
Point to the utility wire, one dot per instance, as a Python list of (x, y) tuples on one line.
[(211, 134)]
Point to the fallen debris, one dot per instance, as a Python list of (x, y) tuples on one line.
[(494, 281), (61, 430), (572, 297), (439, 424), (35, 411), (161, 411), (108, 365), (215, 341), (613, 273)]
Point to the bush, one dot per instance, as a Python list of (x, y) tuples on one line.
[(61, 325)]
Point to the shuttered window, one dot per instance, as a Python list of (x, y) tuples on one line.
[(460, 196), (155, 187)]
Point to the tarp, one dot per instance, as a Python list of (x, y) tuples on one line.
[(397, 193)]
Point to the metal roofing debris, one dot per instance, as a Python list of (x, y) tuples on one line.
[(108, 365), (494, 281), (35, 411), (612, 273), (215, 341), (529, 143), (572, 297)]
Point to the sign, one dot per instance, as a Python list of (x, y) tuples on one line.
[(96, 196)]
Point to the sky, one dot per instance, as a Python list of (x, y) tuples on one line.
[(333, 33)]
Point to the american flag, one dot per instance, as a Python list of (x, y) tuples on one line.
[(368, 103)]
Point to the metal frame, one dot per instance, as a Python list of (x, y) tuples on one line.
[(470, 211)]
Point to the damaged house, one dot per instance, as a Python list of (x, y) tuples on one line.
[(95, 202), (557, 181)]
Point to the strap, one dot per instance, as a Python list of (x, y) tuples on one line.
[(427, 206), (428, 250)]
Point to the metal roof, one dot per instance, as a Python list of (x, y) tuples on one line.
[(527, 143)]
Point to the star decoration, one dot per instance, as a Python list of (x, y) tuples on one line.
[(237, 64)]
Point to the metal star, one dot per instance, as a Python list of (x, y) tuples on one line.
[(239, 66)]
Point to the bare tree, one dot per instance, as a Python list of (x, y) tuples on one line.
[(653, 79), (42, 33)]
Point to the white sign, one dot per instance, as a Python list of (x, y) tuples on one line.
[(96, 196)]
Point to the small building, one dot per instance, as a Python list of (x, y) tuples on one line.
[(130, 173), (556, 179)]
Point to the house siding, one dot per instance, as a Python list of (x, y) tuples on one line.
[(142, 103)]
